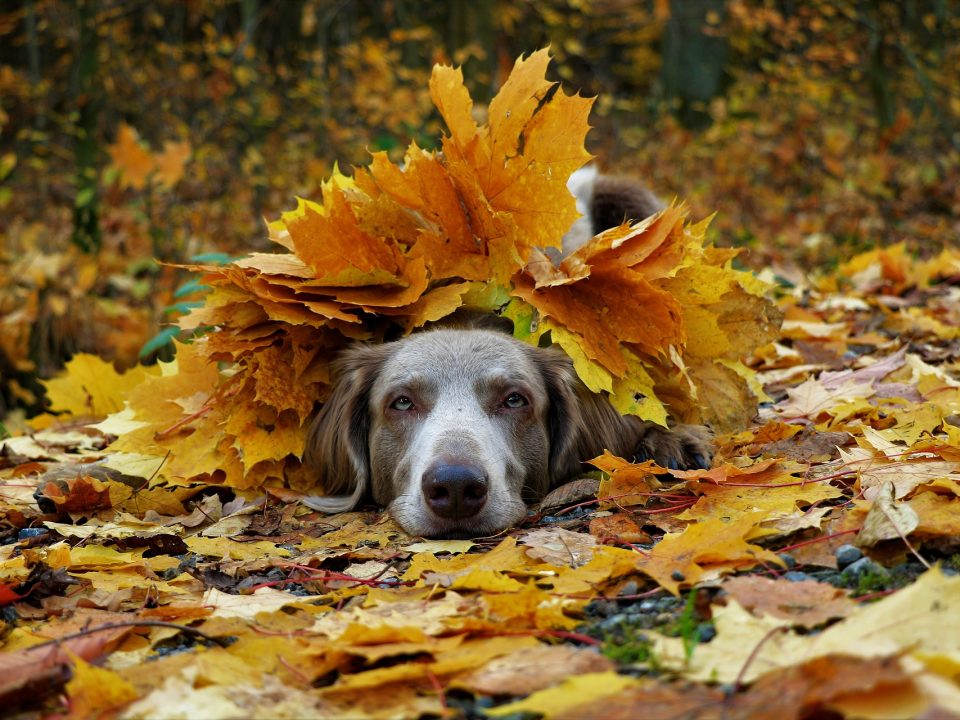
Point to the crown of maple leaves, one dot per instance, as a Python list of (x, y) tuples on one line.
[(646, 312)]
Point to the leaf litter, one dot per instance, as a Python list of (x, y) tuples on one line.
[(155, 563)]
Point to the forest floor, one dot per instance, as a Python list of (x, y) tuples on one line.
[(155, 560)]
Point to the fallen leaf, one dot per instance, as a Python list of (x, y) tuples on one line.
[(532, 669), (806, 603), (887, 519), (580, 690), (559, 547)]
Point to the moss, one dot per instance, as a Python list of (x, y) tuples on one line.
[(626, 645)]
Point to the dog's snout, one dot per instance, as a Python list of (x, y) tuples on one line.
[(455, 491)]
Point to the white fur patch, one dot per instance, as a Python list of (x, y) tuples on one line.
[(580, 184)]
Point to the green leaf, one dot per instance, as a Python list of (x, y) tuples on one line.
[(188, 288), (158, 341), (182, 307), (85, 197), (214, 258)]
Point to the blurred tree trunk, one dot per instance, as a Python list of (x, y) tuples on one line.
[(255, 129), (878, 77), (88, 98), (33, 47), (693, 59)]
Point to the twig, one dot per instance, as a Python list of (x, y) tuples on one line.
[(132, 624), (318, 574), (738, 683), (903, 537), (441, 693), (204, 409), (788, 548), (293, 671)]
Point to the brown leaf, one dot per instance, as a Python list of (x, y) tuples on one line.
[(806, 603), (653, 700), (816, 687), (531, 669), (570, 493), (619, 527)]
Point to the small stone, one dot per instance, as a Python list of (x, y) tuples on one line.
[(666, 603), (648, 605), (788, 560), (604, 608), (614, 623), (706, 632), (795, 576), (831, 577), (847, 555), (630, 588), (860, 567)]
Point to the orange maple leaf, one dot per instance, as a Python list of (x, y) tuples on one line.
[(131, 157), (171, 163)]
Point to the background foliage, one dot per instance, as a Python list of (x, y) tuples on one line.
[(134, 130)]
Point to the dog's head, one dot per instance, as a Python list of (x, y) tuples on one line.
[(452, 430)]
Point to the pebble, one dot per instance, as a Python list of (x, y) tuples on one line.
[(706, 632), (795, 576), (861, 566), (630, 588), (666, 603), (847, 555), (648, 605), (606, 608), (788, 560), (611, 624)]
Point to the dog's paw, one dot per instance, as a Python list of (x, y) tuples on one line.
[(682, 447)]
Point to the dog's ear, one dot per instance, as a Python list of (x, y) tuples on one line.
[(582, 424), (337, 448), (567, 430)]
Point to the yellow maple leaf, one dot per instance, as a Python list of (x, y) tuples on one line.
[(91, 387), (95, 691), (572, 692), (713, 543)]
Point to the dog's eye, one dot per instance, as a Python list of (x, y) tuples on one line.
[(402, 403), (515, 400)]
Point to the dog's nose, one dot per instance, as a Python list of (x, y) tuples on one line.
[(455, 491)]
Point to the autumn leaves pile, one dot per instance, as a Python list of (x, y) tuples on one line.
[(647, 313)]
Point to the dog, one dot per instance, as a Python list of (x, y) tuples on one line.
[(454, 430)]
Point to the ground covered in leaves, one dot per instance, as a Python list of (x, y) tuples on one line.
[(155, 561), (794, 574)]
